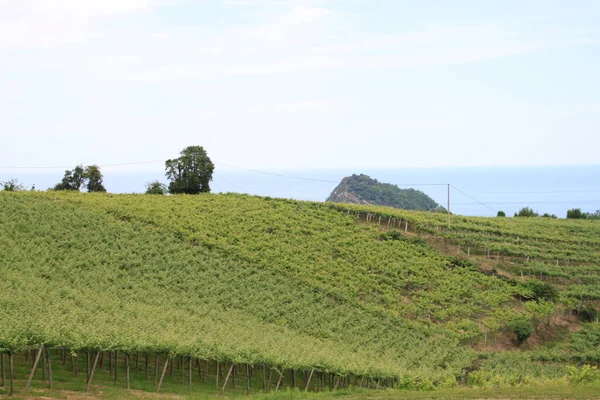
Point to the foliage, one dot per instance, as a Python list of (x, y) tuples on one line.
[(546, 215), (512, 368), (275, 282), (93, 178), (593, 215), (572, 242), (575, 213), (72, 180), (588, 313), (285, 283), (537, 290), (89, 177), (526, 212), (12, 185), (156, 187), (191, 172), (583, 374), (364, 189), (501, 214), (523, 329), (586, 342)]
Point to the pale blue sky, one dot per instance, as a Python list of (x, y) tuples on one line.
[(283, 84)]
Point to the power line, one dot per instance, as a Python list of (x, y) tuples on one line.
[(545, 192), (474, 199), (229, 182), (275, 174)]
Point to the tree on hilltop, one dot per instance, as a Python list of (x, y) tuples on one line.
[(72, 180), (12, 185), (89, 177), (576, 213), (526, 212), (93, 178), (191, 172), (156, 187)]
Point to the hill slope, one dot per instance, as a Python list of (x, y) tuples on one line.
[(362, 189), (237, 279)]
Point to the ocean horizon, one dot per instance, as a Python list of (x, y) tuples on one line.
[(480, 191)]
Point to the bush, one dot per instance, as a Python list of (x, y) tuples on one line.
[(546, 215), (540, 291), (12, 185), (156, 188), (501, 214), (523, 329), (585, 374), (526, 212), (576, 213), (588, 313)]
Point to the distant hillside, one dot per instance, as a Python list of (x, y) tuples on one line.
[(362, 189)]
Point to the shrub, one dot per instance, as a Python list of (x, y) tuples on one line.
[(588, 313), (501, 214), (156, 188), (392, 235), (526, 212), (585, 374), (523, 329), (477, 378), (576, 213), (540, 291), (12, 185)]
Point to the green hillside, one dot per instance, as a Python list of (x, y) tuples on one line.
[(297, 288), (362, 189)]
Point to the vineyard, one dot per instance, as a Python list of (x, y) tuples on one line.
[(282, 293), (562, 251)]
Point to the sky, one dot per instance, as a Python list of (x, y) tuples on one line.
[(300, 85)]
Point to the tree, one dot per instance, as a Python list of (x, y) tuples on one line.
[(12, 185), (191, 172), (156, 187), (523, 329), (526, 212), (93, 177), (546, 215), (593, 215), (73, 179), (576, 213), (501, 214), (78, 177)]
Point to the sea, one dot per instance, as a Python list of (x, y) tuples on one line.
[(477, 191)]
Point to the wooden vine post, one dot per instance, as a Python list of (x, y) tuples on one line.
[(248, 379), (116, 364), (35, 363), (162, 377), (126, 370), (2, 369), (190, 370), (309, 378), (89, 381), (11, 371), (49, 362), (226, 379), (279, 381)]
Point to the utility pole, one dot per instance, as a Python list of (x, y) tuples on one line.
[(448, 206)]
